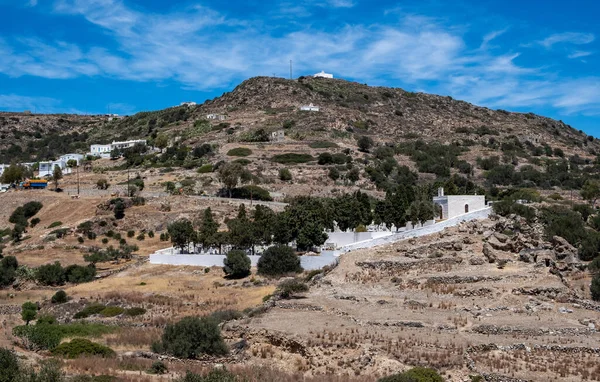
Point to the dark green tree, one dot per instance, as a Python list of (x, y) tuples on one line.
[(181, 233), (237, 264), (364, 143), (119, 210), (279, 260), (208, 229), (28, 312)]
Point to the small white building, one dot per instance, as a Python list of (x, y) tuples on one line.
[(47, 168), (67, 157), (100, 150), (188, 104), (218, 117), (323, 75), (277, 136), (456, 205), (105, 150), (309, 107)]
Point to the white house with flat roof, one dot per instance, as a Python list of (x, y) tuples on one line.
[(46, 168), (218, 117), (309, 107), (323, 75), (456, 205), (105, 150), (68, 157)]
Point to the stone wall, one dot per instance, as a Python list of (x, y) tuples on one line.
[(166, 256), (309, 263)]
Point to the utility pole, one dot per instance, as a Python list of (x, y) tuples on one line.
[(77, 169), (127, 181)]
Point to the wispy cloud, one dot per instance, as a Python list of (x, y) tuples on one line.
[(203, 49), (579, 54), (491, 36), (574, 38)]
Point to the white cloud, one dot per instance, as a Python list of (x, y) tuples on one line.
[(205, 50), (579, 54), (568, 38), (491, 36), (47, 105), (32, 3)]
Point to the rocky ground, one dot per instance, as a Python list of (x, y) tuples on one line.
[(480, 298)]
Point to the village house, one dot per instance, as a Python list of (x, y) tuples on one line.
[(456, 205), (188, 104), (309, 107), (105, 150), (277, 136), (218, 117)]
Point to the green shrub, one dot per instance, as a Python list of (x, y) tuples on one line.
[(151, 234), (50, 274), (215, 375), (158, 367), (55, 224), (135, 311), (563, 222), (112, 311), (34, 222), (60, 297), (322, 145), (251, 192), (279, 260), (285, 175), (226, 315), (130, 233), (192, 337), (292, 158), (239, 152), (46, 319), (236, 264), (416, 374), (105, 240), (204, 169), (9, 366), (48, 336), (82, 347), (89, 310), (288, 288), (141, 237), (80, 274)]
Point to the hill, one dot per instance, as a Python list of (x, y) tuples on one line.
[(382, 131)]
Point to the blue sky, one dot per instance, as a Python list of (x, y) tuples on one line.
[(91, 56)]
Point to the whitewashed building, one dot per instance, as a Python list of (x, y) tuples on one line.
[(309, 107), (68, 157), (105, 150), (188, 104), (46, 168), (456, 205), (277, 136), (218, 117), (323, 75)]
